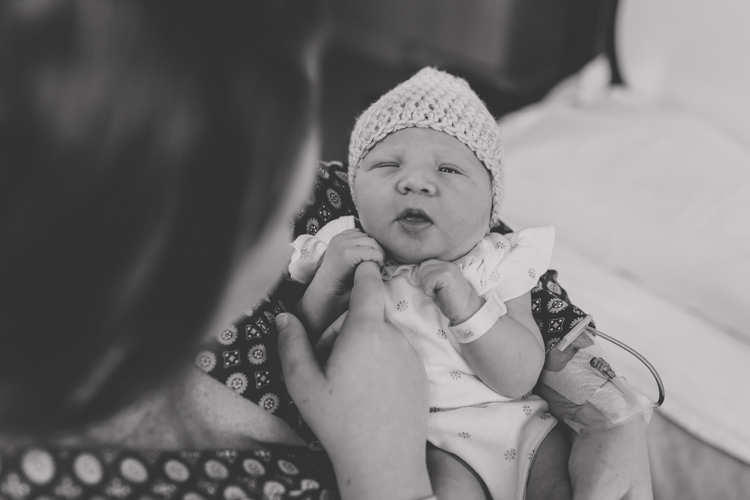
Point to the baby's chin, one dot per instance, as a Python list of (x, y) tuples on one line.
[(417, 256)]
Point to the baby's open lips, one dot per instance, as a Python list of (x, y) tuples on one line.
[(414, 221), (414, 215)]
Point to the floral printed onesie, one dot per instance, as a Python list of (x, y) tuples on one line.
[(495, 435)]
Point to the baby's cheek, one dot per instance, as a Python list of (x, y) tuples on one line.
[(371, 215), (368, 227)]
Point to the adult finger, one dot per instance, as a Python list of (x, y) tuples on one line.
[(367, 300), (298, 363), (324, 346)]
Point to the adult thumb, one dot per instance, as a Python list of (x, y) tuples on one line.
[(367, 300), (298, 363)]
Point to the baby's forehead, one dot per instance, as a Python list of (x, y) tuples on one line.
[(417, 139)]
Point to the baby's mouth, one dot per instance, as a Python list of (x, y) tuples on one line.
[(414, 220)]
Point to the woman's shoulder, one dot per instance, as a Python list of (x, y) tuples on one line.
[(170, 445)]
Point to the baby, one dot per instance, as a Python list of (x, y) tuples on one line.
[(426, 176)]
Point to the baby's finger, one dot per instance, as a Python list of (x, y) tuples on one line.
[(367, 300), (350, 237), (368, 253), (298, 363), (430, 265), (360, 237), (363, 239), (374, 244), (428, 277), (350, 233)]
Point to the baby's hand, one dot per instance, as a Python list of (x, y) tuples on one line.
[(444, 283), (345, 252)]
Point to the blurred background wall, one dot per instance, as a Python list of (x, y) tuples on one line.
[(510, 51)]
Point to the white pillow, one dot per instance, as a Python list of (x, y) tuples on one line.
[(654, 194), (690, 54)]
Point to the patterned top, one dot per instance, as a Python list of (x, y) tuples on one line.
[(268, 472)]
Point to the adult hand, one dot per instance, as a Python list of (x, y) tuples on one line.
[(612, 464), (368, 403)]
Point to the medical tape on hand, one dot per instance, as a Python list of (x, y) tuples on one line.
[(482, 320)]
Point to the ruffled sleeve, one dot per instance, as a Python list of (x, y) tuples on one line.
[(509, 264), (308, 249)]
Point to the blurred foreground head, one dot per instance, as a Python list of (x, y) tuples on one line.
[(136, 139)]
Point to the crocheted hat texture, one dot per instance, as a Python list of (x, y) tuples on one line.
[(440, 101)]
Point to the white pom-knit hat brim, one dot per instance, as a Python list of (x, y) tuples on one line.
[(440, 101)]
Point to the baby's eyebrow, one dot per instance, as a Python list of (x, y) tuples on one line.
[(452, 153), (382, 156), (384, 159), (454, 158)]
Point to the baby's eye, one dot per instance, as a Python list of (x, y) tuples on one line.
[(385, 165), (448, 169)]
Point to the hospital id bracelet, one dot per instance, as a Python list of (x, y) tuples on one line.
[(482, 320)]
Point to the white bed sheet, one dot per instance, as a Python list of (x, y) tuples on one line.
[(652, 211), (705, 371), (652, 192)]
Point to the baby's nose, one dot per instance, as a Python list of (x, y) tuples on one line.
[(416, 182)]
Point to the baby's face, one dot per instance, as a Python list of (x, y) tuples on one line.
[(422, 194)]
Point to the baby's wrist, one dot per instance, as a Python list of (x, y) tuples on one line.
[(473, 305), (328, 286), (319, 307)]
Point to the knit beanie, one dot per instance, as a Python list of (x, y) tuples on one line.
[(440, 101)]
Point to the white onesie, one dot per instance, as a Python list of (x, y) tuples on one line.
[(495, 435)]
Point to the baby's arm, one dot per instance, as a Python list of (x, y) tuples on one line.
[(327, 296), (509, 357)]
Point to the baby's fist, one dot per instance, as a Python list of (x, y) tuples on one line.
[(444, 283), (345, 252)]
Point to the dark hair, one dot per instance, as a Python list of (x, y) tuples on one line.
[(135, 138)]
